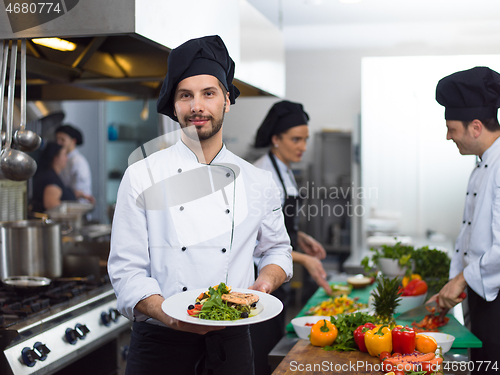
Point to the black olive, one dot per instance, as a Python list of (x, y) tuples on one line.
[(244, 314), (198, 303), (254, 304), (190, 307)]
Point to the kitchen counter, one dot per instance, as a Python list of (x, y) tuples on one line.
[(290, 346), (304, 358)]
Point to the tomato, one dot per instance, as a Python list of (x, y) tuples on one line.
[(194, 309), (415, 288), (387, 366), (384, 355), (399, 373), (427, 366), (396, 354)]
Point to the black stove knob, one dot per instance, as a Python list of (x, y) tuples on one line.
[(71, 336), (29, 356), (114, 314), (81, 331), (42, 350), (105, 318)]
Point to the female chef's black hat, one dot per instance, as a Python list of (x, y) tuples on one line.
[(206, 55), (72, 132), (470, 94), (281, 117)]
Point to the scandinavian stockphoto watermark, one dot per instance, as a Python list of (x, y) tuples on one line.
[(186, 186), (351, 367), (26, 14), (322, 201)]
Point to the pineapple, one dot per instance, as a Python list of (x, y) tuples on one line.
[(386, 299)]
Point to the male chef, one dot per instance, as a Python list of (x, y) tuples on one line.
[(189, 217), (471, 99)]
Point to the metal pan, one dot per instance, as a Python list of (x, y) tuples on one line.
[(27, 283)]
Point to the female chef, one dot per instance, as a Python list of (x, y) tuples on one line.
[(285, 131)]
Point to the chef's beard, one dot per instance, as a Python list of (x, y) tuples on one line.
[(199, 135)]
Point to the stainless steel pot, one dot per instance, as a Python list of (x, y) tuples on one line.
[(30, 248)]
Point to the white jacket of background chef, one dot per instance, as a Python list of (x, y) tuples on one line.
[(180, 225), (477, 250), (76, 175)]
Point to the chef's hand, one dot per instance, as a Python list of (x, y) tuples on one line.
[(188, 327), (448, 296), (80, 194), (315, 268), (270, 278), (261, 286), (310, 246), (151, 306)]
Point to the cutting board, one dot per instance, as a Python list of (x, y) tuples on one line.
[(304, 358), (463, 337)]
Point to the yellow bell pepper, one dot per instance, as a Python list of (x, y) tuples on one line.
[(378, 340), (407, 279)]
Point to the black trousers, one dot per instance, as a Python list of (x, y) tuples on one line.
[(484, 324), (160, 350), (267, 334)]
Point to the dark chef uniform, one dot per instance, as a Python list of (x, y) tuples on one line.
[(281, 117), (469, 95)]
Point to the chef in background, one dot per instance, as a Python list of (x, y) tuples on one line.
[(48, 189), (77, 173), (285, 131), (190, 216), (471, 99)]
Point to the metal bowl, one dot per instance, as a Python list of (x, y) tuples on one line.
[(26, 283)]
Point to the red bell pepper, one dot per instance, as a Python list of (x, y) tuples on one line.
[(403, 340), (359, 335)]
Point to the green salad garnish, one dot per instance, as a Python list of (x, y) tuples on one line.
[(215, 308)]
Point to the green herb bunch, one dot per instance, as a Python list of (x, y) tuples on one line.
[(402, 253), (431, 264), (215, 308), (346, 324)]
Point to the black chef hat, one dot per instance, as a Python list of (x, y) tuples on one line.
[(281, 117), (206, 55), (470, 94), (72, 132)]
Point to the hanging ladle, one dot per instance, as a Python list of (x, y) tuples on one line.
[(25, 140), (15, 164), (3, 72)]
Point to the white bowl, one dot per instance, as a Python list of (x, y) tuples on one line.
[(390, 267), (301, 329), (444, 340), (359, 281), (410, 302)]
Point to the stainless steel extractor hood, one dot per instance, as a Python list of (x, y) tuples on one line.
[(122, 46)]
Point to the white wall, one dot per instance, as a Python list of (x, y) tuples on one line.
[(328, 84)]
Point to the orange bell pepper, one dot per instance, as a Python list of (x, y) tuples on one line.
[(323, 333)]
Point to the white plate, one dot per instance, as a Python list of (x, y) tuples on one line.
[(176, 307)]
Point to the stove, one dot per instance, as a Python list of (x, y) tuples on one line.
[(72, 327)]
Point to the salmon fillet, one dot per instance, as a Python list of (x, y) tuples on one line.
[(240, 298)]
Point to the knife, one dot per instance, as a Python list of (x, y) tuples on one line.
[(423, 310)]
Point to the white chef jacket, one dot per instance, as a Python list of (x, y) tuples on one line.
[(76, 175), (166, 243), (477, 249), (264, 162)]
